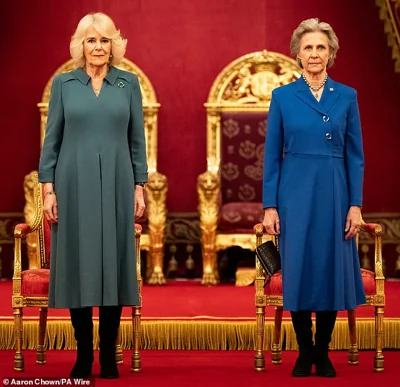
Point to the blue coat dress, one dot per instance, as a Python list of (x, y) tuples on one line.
[(313, 185)]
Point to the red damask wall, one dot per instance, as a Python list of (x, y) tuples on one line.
[(182, 46)]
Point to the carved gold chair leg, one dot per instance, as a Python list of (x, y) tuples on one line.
[(156, 255), (18, 331), (41, 351), (119, 355), (259, 360), (353, 350), (136, 364), (210, 276), (379, 359), (276, 352)]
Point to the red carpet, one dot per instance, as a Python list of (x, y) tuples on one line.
[(212, 369), (190, 299)]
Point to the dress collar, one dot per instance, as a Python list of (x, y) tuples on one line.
[(84, 77)]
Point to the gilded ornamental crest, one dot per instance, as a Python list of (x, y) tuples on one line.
[(255, 79)]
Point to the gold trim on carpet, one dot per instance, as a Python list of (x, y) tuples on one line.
[(199, 335)]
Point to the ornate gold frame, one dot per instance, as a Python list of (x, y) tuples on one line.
[(391, 27), (35, 229), (157, 186), (245, 85), (262, 300)]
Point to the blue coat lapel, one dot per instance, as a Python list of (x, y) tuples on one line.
[(329, 96)]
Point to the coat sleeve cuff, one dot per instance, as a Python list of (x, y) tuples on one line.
[(141, 177), (356, 202), (268, 204), (46, 177)]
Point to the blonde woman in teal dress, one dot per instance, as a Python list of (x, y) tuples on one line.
[(93, 167)]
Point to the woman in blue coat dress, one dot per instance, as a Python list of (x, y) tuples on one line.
[(93, 167), (312, 194)]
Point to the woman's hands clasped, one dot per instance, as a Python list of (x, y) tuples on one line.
[(271, 221), (353, 222), (139, 202)]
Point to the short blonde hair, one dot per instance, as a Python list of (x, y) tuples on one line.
[(313, 25), (104, 25)]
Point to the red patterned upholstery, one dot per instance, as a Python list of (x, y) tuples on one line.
[(240, 216), (274, 287), (242, 152), (35, 282), (368, 279)]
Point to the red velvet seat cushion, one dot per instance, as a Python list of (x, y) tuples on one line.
[(368, 279), (240, 215), (274, 287), (35, 282)]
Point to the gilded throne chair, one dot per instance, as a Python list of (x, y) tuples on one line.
[(270, 294), (31, 286), (154, 220), (230, 190)]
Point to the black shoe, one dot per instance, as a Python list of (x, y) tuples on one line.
[(108, 364), (323, 365), (303, 365), (81, 369)]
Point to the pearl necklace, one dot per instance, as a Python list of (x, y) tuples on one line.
[(315, 89)]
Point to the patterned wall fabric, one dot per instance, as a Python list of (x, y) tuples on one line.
[(242, 153)]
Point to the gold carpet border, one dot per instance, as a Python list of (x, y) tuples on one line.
[(175, 318), (200, 335)]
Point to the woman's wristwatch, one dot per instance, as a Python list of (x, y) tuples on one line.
[(141, 184)]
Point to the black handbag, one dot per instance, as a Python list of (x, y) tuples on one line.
[(268, 255)]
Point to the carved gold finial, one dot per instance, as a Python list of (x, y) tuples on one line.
[(189, 262), (172, 263)]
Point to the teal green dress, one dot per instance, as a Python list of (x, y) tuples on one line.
[(94, 152)]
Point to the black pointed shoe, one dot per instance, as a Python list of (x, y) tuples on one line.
[(303, 365), (108, 364), (324, 366), (83, 365)]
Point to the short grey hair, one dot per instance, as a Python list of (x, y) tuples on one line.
[(105, 26), (313, 25)]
